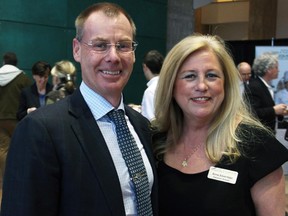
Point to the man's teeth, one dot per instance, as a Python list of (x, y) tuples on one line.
[(111, 72)]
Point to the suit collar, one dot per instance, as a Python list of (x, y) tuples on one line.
[(95, 149)]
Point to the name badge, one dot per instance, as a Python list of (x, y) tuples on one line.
[(222, 175)]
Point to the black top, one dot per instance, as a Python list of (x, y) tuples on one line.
[(29, 97), (197, 195)]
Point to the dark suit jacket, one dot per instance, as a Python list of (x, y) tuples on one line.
[(58, 164), (30, 98), (261, 102)]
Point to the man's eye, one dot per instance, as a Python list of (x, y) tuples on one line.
[(99, 45), (124, 46)]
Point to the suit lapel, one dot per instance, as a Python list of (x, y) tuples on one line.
[(97, 152), (35, 96), (266, 91)]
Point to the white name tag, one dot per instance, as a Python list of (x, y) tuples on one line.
[(222, 175)]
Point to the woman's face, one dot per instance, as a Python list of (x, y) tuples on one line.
[(199, 86), (41, 81)]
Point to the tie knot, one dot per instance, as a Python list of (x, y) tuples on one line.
[(117, 116)]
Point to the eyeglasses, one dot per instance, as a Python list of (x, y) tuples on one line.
[(103, 46)]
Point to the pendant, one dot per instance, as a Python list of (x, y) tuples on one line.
[(184, 163)]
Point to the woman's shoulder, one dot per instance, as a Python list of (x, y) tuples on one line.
[(254, 133), (261, 150)]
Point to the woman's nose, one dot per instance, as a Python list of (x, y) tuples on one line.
[(201, 84)]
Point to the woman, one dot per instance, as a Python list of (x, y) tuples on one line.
[(214, 157), (34, 96), (64, 81)]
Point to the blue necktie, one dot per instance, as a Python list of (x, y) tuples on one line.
[(134, 162)]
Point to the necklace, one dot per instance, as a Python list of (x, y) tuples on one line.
[(186, 159)]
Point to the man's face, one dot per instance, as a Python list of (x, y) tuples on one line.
[(274, 71), (108, 72), (245, 72)]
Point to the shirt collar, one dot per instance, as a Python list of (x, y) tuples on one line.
[(267, 84), (98, 105)]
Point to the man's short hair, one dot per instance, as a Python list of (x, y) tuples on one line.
[(153, 60), (10, 58)]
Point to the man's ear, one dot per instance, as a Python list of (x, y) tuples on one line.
[(76, 50)]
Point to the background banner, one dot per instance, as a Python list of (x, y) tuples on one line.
[(282, 52)]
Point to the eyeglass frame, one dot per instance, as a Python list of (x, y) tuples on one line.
[(116, 45)]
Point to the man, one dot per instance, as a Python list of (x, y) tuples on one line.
[(260, 93), (64, 158), (245, 71), (152, 64), (12, 81)]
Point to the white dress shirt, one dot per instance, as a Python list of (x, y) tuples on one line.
[(147, 105), (99, 107)]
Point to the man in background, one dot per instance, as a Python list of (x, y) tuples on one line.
[(245, 72), (152, 64), (12, 81), (260, 93)]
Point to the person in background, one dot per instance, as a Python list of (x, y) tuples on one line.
[(152, 64), (281, 96), (244, 69), (260, 93), (4, 146), (12, 81), (64, 81), (34, 96), (214, 158), (65, 158)]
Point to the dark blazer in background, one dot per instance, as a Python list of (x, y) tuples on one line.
[(261, 102), (30, 98), (66, 168)]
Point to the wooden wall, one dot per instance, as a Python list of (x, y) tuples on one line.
[(262, 19)]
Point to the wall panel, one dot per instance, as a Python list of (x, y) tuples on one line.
[(43, 30), (52, 12), (33, 43)]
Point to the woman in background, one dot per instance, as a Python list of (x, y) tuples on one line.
[(64, 81), (214, 158), (34, 96)]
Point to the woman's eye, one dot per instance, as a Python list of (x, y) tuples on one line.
[(189, 76), (212, 75)]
